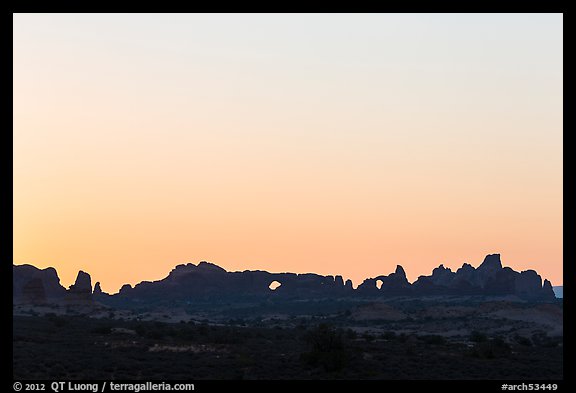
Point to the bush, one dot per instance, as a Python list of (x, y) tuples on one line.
[(203, 329), (477, 337), (368, 337), (491, 349), (542, 339), (101, 330), (326, 349), (433, 339), (522, 340), (57, 320)]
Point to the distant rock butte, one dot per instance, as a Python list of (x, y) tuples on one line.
[(31, 284), (83, 284), (38, 286), (208, 282), (97, 289)]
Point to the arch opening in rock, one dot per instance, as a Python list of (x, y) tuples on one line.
[(274, 285), (379, 283)]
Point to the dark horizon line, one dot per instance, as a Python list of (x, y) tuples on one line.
[(399, 270)]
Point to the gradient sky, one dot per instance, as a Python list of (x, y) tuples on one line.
[(334, 144)]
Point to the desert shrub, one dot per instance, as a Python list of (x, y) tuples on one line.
[(203, 329), (368, 337), (433, 339), (522, 340), (101, 330), (185, 333), (224, 336), (56, 320), (490, 349), (150, 331), (542, 339), (326, 349), (351, 334), (477, 337)]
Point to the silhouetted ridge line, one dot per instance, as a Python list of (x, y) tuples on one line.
[(207, 282)]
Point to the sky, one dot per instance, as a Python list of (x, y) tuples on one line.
[(327, 143)]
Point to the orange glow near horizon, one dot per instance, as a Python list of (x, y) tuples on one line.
[(356, 143)]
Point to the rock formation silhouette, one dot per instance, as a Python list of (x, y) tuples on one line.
[(97, 289), (81, 290), (31, 284), (207, 282)]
